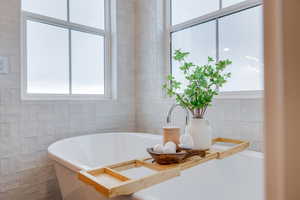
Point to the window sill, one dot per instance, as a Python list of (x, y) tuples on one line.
[(256, 94), (58, 97)]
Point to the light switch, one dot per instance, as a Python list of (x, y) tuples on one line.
[(4, 65)]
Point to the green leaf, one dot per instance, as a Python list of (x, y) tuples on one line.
[(170, 77), (179, 55)]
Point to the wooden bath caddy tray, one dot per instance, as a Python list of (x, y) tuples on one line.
[(111, 182)]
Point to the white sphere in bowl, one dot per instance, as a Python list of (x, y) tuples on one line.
[(158, 148), (170, 147)]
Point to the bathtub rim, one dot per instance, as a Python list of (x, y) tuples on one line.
[(77, 167)]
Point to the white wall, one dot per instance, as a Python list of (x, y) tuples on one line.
[(27, 128), (236, 118)]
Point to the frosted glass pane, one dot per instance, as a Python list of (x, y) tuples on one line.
[(241, 40), (50, 8), (183, 10), (226, 3), (87, 12), (47, 59), (199, 40), (87, 63)]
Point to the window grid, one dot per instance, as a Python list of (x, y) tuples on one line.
[(70, 26), (214, 16), (70, 49)]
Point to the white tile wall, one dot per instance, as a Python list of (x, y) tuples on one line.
[(27, 128)]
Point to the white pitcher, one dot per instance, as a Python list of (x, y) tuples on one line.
[(201, 132)]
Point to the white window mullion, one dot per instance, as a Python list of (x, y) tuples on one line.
[(168, 35), (70, 62), (24, 56), (107, 49), (217, 33), (217, 41), (70, 49), (62, 23), (68, 10)]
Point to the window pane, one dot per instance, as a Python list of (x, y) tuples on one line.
[(87, 63), (50, 8), (47, 59), (87, 12), (241, 40), (183, 10), (199, 40), (226, 3)]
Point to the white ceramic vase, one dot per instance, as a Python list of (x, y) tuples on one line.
[(201, 132)]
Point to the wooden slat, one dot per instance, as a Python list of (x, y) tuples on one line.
[(90, 180), (133, 186), (227, 140), (123, 165), (95, 172), (233, 150), (116, 174), (196, 160), (148, 163), (241, 146)]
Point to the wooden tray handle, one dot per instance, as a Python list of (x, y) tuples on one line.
[(240, 146)]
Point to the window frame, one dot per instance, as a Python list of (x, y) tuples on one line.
[(213, 16), (69, 26)]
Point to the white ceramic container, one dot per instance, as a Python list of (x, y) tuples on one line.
[(201, 132)]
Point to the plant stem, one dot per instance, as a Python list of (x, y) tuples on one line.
[(204, 110), (184, 103)]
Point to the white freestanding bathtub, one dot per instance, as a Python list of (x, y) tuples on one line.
[(239, 177)]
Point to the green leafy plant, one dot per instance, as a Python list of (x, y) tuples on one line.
[(203, 83)]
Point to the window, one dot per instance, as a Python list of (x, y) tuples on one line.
[(224, 29), (66, 49), (189, 40), (241, 40), (188, 9)]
